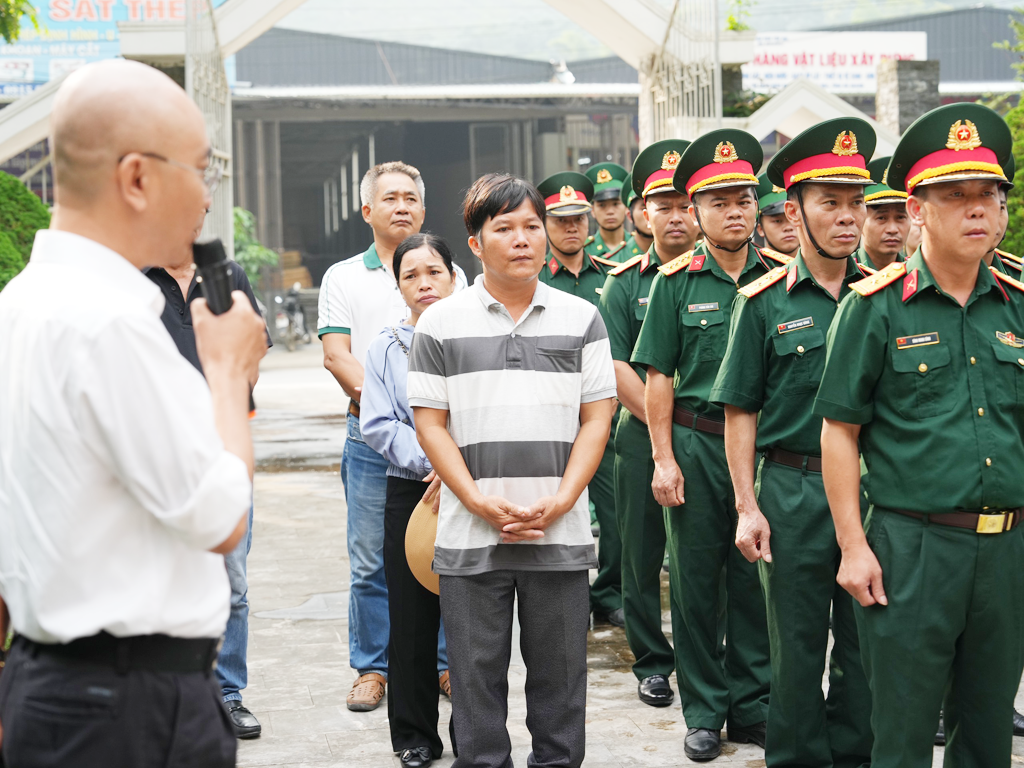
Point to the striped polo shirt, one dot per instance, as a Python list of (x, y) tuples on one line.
[(513, 392)]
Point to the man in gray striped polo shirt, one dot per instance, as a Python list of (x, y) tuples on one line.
[(512, 387)]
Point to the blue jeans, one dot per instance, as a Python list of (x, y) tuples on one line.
[(364, 475), (232, 672)]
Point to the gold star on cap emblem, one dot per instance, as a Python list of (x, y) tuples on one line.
[(846, 144), (603, 176), (567, 193), (777, 189), (725, 152), (963, 135), (670, 161)]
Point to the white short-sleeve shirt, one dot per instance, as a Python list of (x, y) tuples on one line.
[(114, 482)]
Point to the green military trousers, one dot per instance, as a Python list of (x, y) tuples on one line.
[(954, 626), (701, 543), (806, 730), (606, 591), (642, 528)]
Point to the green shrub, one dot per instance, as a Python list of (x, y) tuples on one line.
[(22, 214), (249, 252), (11, 262)]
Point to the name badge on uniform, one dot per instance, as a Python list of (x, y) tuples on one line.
[(643, 302), (795, 325), (710, 306), (920, 340)]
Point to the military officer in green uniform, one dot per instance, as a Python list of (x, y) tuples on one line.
[(771, 370), (773, 226), (640, 239), (567, 202), (641, 522), (1011, 265), (887, 225), (682, 342), (609, 212), (925, 377)]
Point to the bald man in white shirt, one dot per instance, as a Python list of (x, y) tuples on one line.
[(123, 475)]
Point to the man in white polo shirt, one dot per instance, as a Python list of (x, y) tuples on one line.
[(358, 298), (512, 387)]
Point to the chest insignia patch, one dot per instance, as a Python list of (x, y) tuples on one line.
[(919, 340), (1010, 339), (795, 325), (643, 302), (710, 306)]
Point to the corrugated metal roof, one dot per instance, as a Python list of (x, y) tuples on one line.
[(285, 57), (960, 39)]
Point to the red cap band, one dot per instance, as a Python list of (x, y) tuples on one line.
[(826, 164), (715, 172), (946, 161)]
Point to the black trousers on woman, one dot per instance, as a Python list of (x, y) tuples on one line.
[(415, 619)]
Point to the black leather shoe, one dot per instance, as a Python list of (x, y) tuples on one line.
[(655, 691), (747, 734), (940, 732), (245, 723), (702, 744), (616, 618), (417, 757), (1018, 723)]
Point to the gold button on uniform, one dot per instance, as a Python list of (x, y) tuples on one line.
[(988, 462), (1020, 360), (800, 349), (703, 322), (922, 367), (974, 360), (981, 411)]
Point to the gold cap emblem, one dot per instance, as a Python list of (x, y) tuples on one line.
[(670, 161), (603, 176), (725, 152), (777, 189), (567, 193), (846, 144), (963, 135)]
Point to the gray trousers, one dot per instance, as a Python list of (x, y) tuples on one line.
[(554, 616)]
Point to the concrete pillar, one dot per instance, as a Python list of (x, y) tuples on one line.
[(906, 90)]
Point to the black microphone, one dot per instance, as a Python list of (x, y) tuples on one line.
[(214, 278)]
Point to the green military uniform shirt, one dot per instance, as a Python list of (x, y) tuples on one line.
[(685, 331), (586, 286), (938, 388), (776, 355), (863, 259), (631, 249), (623, 305), (596, 246)]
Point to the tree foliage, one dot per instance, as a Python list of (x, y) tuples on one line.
[(22, 214), (11, 262), (1014, 240), (11, 14), (249, 252)]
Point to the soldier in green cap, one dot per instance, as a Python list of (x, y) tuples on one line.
[(925, 378), (567, 198), (887, 225), (1006, 263), (641, 523), (609, 212), (773, 226), (682, 342), (766, 382), (640, 239)]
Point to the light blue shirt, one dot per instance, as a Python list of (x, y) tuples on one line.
[(385, 417)]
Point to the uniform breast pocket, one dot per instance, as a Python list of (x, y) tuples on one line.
[(923, 380), (1009, 378), (803, 355), (640, 311), (712, 333), (552, 360)]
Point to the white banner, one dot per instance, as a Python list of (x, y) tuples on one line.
[(840, 62)]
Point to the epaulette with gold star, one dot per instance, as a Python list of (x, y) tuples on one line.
[(881, 278), (606, 262), (752, 289), (1007, 279), (627, 264), (682, 262), (776, 256)]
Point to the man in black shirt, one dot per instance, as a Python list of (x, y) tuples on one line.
[(179, 287)]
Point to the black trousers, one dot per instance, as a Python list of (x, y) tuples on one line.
[(69, 714), (415, 619)]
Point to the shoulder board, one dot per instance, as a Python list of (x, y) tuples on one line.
[(1009, 257), (878, 281), (1007, 279), (776, 256), (866, 270), (752, 289), (606, 262), (589, 241), (627, 264), (613, 252), (676, 264)]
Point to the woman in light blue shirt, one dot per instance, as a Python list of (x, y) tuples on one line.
[(425, 274)]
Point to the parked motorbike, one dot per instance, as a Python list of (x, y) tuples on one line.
[(290, 319)]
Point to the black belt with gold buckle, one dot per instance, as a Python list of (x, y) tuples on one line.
[(795, 460), (980, 522)]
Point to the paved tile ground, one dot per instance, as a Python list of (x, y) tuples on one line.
[(298, 667)]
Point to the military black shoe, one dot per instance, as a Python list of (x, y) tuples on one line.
[(616, 618), (747, 734), (655, 691), (1018, 723), (417, 757), (245, 723), (702, 744)]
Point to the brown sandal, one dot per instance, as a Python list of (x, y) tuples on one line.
[(366, 693), (446, 684)]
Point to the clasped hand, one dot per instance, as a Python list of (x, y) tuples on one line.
[(517, 523)]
